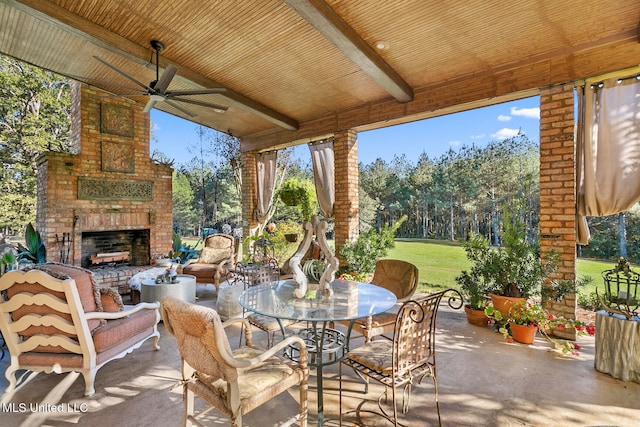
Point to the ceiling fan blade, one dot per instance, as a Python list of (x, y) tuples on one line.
[(113, 67), (180, 107), (150, 104), (165, 78), (173, 93), (217, 107)]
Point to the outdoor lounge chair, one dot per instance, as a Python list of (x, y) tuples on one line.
[(216, 259), (55, 319)]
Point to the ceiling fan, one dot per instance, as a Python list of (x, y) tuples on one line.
[(157, 89)]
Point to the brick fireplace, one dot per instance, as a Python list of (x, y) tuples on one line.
[(108, 196)]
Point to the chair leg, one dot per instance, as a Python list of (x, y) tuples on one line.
[(304, 403), (435, 386), (10, 374), (189, 407), (340, 393), (89, 380)]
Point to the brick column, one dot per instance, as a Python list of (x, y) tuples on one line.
[(558, 186), (249, 195), (347, 208)]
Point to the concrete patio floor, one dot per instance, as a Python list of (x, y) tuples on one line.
[(483, 381)]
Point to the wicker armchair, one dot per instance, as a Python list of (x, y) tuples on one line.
[(216, 259), (402, 362), (401, 278), (234, 382)]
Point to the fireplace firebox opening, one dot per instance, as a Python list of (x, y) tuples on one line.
[(123, 247)]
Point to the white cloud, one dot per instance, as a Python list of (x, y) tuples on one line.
[(505, 133), (503, 118), (479, 136), (530, 113), (454, 143)]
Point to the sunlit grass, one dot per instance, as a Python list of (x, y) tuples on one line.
[(439, 262)]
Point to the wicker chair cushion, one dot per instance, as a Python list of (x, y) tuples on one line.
[(254, 380), (267, 323), (375, 355), (380, 319)]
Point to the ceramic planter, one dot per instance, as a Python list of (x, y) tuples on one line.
[(503, 304), (476, 316), (523, 334)]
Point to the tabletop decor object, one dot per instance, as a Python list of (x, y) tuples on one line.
[(312, 228)]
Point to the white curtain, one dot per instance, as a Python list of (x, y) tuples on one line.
[(608, 150), (322, 157), (266, 183)]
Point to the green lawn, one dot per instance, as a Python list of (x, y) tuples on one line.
[(440, 262)]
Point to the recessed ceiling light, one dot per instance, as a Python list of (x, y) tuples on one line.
[(381, 45)]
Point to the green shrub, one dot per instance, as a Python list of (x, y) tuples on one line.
[(370, 247), (588, 301)]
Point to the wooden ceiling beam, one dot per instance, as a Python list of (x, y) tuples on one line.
[(507, 83), (328, 23), (63, 19)]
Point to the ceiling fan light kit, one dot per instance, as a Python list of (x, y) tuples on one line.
[(157, 89)]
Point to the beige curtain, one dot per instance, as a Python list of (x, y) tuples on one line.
[(266, 183), (322, 157), (608, 150)]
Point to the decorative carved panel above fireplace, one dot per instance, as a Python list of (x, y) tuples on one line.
[(114, 189), (118, 157)]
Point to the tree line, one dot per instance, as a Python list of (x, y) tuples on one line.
[(449, 197)]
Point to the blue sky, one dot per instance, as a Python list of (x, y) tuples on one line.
[(433, 136)]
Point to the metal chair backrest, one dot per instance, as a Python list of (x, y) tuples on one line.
[(414, 334)]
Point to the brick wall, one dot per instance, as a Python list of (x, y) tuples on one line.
[(60, 210), (249, 177), (557, 186), (347, 207)]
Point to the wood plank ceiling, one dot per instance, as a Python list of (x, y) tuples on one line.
[(295, 70)]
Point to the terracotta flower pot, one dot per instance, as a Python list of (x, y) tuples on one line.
[(475, 316), (523, 334), (503, 304)]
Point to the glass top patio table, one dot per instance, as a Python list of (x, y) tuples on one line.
[(350, 301)]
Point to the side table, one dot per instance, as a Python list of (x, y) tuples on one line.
[(185, 289), (617, 346)]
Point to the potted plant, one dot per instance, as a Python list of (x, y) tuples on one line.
[(34, 251), (474, 292), (300, 194), (512, 272), (525, 319), (521, 322)]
